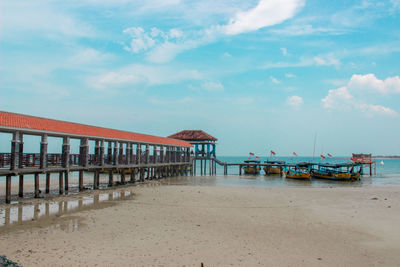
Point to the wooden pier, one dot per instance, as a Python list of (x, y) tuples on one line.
[(138, 156)]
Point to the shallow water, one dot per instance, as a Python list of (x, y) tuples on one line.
[(43, 213)]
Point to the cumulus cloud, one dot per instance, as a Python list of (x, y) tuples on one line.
[(266, 13), (349, 97), (390, 85), (294, 101), (274, 80), (213, 86), (162, 47), (141, 74), (337, 98)]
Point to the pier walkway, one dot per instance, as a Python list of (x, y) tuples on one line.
[(100, 150)]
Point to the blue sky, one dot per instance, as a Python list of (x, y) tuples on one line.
[(258, 74)]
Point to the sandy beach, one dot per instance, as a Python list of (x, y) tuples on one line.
[(175, 225)]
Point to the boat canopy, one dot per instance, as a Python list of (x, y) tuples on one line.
[(337, 165), (251, 161), (277, 162)]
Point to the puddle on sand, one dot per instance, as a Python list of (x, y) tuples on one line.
[(60, 213)]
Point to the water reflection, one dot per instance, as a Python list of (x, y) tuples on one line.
[(62, 210)]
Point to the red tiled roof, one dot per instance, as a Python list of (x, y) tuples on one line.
[(15, 120), (193, 135)]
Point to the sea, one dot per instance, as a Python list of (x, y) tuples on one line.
[(386, 172)]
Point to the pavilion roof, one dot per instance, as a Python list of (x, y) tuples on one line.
[(193, 135), (15, 121)]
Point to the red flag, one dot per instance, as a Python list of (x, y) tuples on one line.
[(251, 154), (329, 155), (322, 156), (272, 152), (294, 154), (257, 157)]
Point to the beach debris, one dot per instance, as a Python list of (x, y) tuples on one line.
[(389, 207), (202, 264), (320, 259), (6, 262), (374, 198)]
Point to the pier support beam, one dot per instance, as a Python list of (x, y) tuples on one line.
[(123, 176), (61, 183), (47, 183), (110, 178), (21, 186), (80, 181), (37, 195), (8, 189)]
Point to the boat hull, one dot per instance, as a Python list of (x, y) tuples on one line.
[(332, 176), (251, 170), (298, 175), (272, 170)]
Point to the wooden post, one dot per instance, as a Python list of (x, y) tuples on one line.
[(133, 173), (147, 155), (47, 183), (65, 160), (240, 169), (161, 154), (66, 181), (115, 156), (101, 160), (109, 153), (128, 154), (123, 176), (84, 152), (121, 154), (97, 152), (138, 153), (110, 178), (96, 179), (14, 151), (43, 152), (37, 185), (80, 180), (8, 189), (21, 186), (61, 183)]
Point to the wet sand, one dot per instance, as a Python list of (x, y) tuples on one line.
[(178, 225)]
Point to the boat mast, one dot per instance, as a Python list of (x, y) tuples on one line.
[(315, 140)]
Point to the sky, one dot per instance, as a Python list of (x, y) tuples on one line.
[(259, 75)]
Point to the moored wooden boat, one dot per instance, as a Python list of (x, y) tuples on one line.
[(338, 172), (274, 167), (298, 171), (251, 167)]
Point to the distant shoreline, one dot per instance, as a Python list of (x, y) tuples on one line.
[(386, 157)]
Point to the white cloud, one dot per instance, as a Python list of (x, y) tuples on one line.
[(141, 74), (290, 75), (369, 82), (350, 97), (326, 60), (89, 56), (266, 13), (141, 41), (40, 18), (294, 101), (307, 29), (376, 109), (213, 86), (274, 80), (284, 51), (337, 98)]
